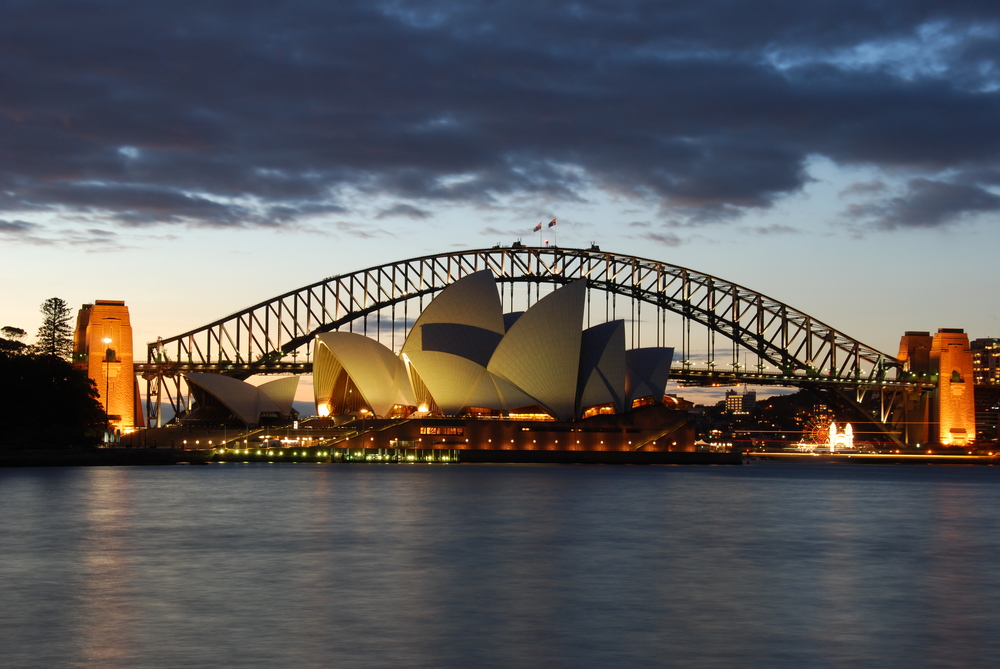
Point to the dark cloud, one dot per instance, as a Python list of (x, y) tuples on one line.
[(16, 227), (929, 203), (864, 188), (234, 114)]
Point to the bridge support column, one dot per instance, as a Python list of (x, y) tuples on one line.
[(948, 415), (102, 346), (954, 406)]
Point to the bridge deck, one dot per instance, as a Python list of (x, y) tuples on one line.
[(684, 375)]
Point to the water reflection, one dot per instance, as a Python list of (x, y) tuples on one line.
[(107, 596), (262, 566)]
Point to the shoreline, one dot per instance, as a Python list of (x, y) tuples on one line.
[(100, 457)]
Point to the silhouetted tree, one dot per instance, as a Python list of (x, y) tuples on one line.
[(55, 336), (12, 341), (45, 403)]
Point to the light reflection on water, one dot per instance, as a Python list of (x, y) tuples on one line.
[(497, 566)]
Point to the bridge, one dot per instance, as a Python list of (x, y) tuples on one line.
[(724, 333)]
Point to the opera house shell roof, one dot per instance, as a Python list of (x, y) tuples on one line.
[(464, 356), (220, 398)]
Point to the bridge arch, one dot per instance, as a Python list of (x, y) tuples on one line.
[(788, 346), (271, 335)]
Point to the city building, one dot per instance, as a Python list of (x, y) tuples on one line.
[(740, 403), (986, 361), (986, 369)]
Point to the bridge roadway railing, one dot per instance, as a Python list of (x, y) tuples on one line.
[(684, 375)]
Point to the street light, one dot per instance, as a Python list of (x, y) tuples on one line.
[(107, 385)]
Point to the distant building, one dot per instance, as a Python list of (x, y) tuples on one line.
[(738, 403), (986, 369), (986, 361)]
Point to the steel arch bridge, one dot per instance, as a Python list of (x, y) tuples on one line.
[(684, 308)]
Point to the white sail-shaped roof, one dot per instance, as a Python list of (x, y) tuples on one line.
[(470, 342), (451, 380), (240, 397), (540, 354), (648, 371), (602, 366), (510, 318), (472, 300), (377, 373), (456, 382), (281, 391)]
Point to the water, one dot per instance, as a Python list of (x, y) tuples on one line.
[(499, 566)]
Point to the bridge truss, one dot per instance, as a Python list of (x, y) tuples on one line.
[(725, 333)]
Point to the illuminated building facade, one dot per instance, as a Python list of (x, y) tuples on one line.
[(841, 441), (986, 368), (986, 361), (949, 418), (740, 403), (953, 411), (102, 345)]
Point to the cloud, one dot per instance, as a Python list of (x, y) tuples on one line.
[(864, 188), (232, 115), (404, 210), (16, 227), (928, 204), (662, 238), (358, 230), (23, 232), (775, 229), (507, 234), (88, 239)]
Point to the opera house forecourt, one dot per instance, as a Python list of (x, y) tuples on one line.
[(532, 386)]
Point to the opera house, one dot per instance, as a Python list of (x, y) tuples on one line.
[(472, 378)]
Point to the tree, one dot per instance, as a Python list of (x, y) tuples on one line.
[(55, 336), (12, 341), (45, 403)]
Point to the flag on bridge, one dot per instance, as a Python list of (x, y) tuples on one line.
[(537, 228), (552, 223)]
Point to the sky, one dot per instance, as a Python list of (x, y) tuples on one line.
[(194, 158)]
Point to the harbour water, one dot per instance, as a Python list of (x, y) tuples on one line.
[(258, 565)]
